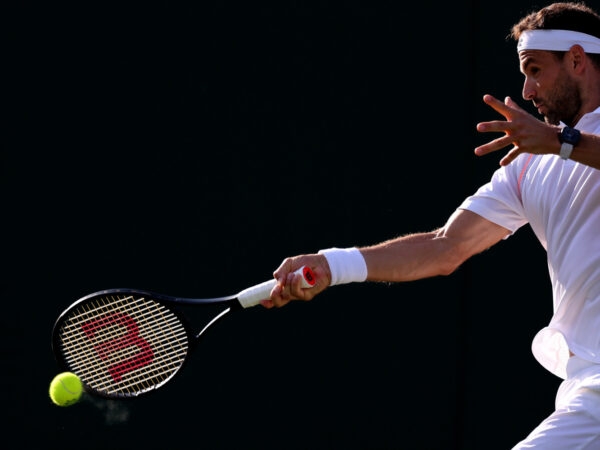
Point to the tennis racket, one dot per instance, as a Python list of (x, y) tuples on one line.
[(123, 343)]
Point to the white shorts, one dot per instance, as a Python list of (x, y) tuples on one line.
[(575, 423)]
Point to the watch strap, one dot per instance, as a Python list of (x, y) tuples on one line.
[(565, 150), (569, 138)]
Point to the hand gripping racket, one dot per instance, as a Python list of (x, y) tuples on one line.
[(123, 343)]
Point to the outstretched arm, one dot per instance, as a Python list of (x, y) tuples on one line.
[(435, 253), (405, 258), (528, 134)]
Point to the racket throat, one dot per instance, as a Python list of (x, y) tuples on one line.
[(214, 320)]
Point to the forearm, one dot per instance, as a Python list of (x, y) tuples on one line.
[(439, 252), (587, 151), (412, 257)]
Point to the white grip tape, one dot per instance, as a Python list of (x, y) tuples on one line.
[(253, 295)]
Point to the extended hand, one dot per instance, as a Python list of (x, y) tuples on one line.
[(526, 133)]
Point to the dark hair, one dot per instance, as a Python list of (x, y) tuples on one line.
[(574, 16)]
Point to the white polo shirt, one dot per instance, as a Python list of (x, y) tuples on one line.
[(560, 199)]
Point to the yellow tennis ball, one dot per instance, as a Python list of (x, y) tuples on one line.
[(65, 389)]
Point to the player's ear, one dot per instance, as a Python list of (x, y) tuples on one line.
[(577, 58)]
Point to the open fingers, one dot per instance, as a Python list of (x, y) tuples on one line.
[(494, 145)]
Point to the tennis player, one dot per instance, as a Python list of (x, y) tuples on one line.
[(549, 179)]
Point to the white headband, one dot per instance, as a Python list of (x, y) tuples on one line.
[(558, 40)]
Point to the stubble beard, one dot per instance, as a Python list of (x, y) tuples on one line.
[(564, 102)]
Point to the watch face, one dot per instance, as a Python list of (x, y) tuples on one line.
[(570, 135)]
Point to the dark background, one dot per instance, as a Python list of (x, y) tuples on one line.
[(189, 148)]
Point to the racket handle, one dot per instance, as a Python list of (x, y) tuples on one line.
[(252, 296)]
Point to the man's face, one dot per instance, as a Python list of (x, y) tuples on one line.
[(549, 86)]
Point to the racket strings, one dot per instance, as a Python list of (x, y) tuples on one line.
[(123, 346)]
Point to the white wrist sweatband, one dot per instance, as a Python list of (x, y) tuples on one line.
[(347, 265)]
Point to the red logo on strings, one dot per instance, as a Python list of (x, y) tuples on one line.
[(131, 338)]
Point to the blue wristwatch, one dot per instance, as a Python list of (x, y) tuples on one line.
[(569, 138)]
